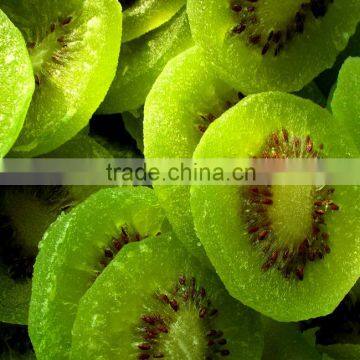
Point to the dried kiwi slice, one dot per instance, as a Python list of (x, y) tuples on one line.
[(155, 301), (25, 214), (142, 60), (290, 252), (74, 252), (73, 65), (261, 45), (345, 99), (16, 83), (185, 99), (141, 16), (327, 79)]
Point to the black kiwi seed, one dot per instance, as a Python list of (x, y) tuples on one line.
[(291, 262), (245, 12), (153, 327)]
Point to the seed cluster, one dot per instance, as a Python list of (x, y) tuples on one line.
[(289, 260), (246, 12), (153, 326), (62, 43), (19, 266), (342, 324), (207, 119), (116, 245)]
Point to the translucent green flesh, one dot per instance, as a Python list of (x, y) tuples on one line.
[(16, 83), (245, 67), (86, 38), (111, 310), (80, 146), (240, 133), (345, 101), (146, 15), (70, 256), (185, 90), (142, 60)]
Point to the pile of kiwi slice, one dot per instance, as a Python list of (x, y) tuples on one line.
[(73, 66), (189, 271), (142, 60)]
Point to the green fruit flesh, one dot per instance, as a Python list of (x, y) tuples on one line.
[(185, 99), (142, 16), (80, 146), (272, 45), (74, 49), (345, 100), (27, 212), (258, 248), (142, 60), (115, 316), (74, 252), (16, 83)]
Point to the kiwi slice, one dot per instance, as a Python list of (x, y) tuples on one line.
[(290, 252), (345, 99), (25, 214), (16, 83), (327, 78), (185, 99), (142, 60), (142, 16), (262, 45), (74, 252), (180, 312), (133, 122), (15, 343), (338, 334), (72, 64)]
